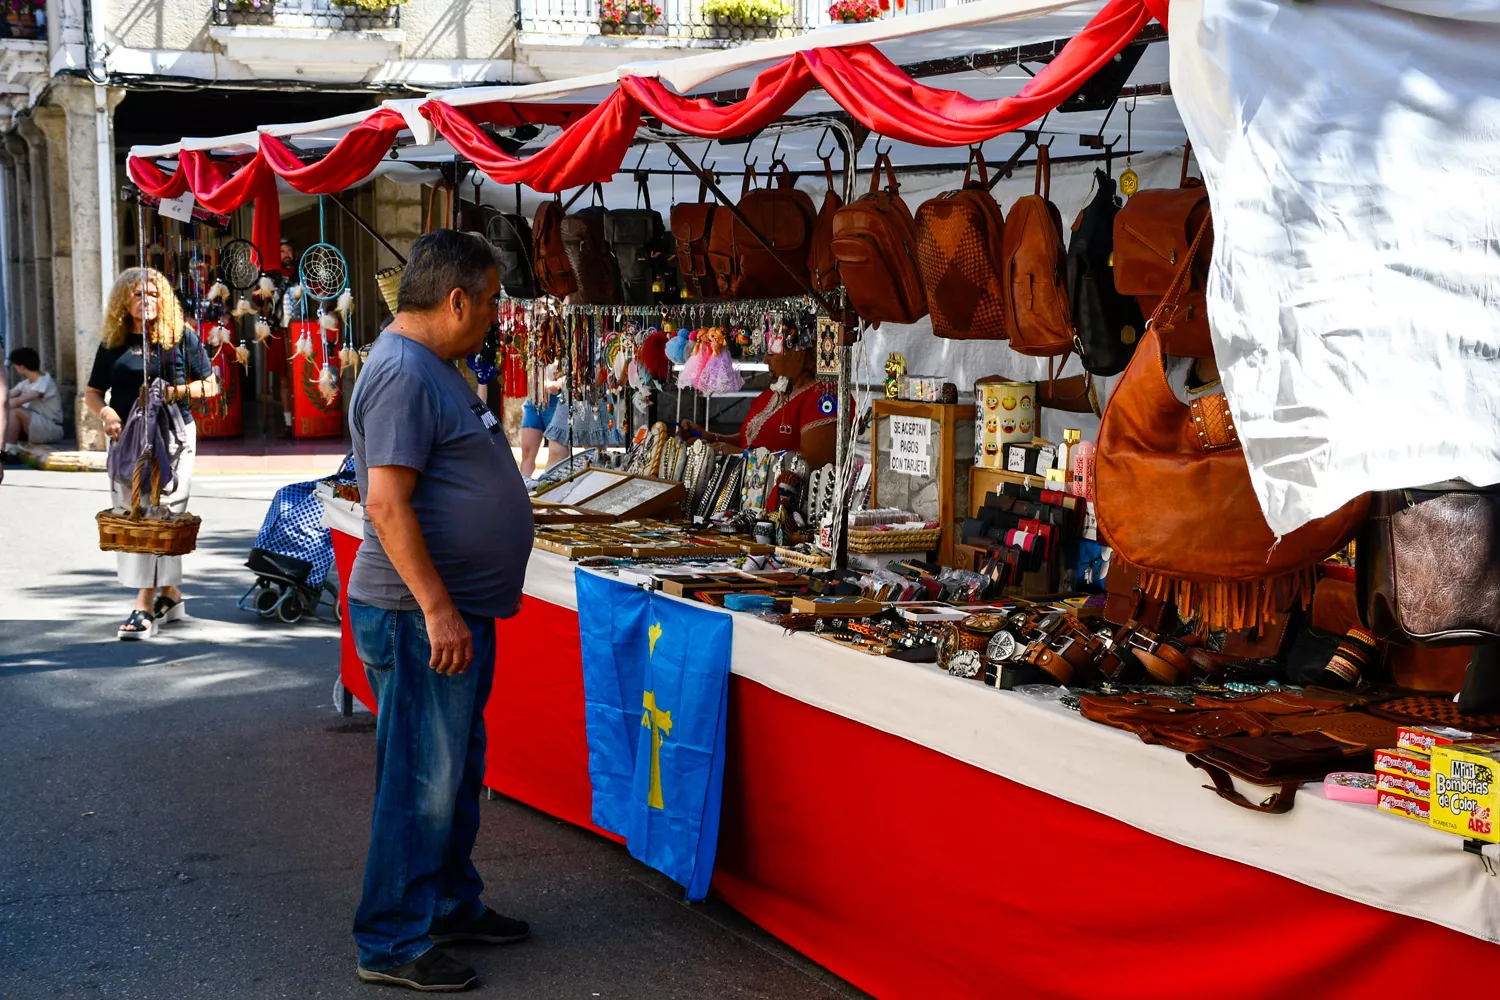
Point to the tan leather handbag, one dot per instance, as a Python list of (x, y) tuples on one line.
[(1034, 276)]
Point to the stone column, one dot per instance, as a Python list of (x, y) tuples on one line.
[(90, 283), (51, 121), (12, 262), (25, 286), (41, 248)]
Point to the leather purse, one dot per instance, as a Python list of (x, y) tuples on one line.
[(821, 263), (1425, 567), (1174, 499), (960, 240)]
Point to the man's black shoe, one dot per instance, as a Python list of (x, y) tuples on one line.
[(490, 928), (433, 972)]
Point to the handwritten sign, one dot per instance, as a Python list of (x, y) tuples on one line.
[(911, 445), (179, 208)]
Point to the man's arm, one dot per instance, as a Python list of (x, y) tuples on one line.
[(24, 397), (390, 510)]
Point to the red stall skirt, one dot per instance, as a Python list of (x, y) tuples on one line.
[(916, 876)]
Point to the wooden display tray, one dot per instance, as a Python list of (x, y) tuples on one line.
[(638, 539), (609, 495)]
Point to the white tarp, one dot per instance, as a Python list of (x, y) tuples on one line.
[(1352, 152)]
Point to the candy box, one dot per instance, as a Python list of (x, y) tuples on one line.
[(1412, 763), (1401, 784), (1466, 790), (1402, 805), (1424, 738)]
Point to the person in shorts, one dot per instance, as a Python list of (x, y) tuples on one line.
[(35, 407), (535, 421)]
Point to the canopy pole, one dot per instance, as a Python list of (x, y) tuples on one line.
[(400, 259), (712, 185)]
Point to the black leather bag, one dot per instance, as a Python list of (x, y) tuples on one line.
[(593, 265), (1427, 566), (1106, 324), (510, 235)]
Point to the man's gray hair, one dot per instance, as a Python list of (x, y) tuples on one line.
[(441, 261)]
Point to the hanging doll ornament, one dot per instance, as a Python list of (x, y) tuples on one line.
[(718, 373), (696, 360)]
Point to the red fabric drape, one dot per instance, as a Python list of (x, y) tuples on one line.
[(350, 161), (589, 150), (221, 186), (771, 95), (509, 114), (154, 180)]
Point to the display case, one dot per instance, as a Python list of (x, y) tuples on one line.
[(923, 453)]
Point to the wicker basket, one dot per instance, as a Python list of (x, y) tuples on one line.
[(806, 560), (174, 535), (388, 280), (871, 542)]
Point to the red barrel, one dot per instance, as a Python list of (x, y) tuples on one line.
[(312, 415), (223, 415)]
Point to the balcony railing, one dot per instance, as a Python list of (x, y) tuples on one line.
[(305, 14), (680, 20)]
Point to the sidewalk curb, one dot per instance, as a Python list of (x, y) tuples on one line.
[(43, 457)]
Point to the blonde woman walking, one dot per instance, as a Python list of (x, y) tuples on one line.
[(142, 302)]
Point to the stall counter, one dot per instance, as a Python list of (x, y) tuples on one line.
[(924, 836)]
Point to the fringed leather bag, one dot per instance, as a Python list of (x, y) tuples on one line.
[(1174, 499)]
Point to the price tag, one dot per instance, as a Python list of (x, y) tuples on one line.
[(179, 208)]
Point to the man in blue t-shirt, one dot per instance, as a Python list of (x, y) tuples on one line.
[(447, 537)]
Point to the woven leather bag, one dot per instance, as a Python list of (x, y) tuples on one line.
[(960, 239), (594, 266), (1040, 321), (1173, 497), (554, 272), (1425, 566), (692, 222), (1106, 324), (875, 241), (745, 267), (1153, 235), (821, 263)]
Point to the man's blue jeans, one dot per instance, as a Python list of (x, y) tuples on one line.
[(429, 763)]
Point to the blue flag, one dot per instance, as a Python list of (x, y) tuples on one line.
[(656, 688), (612, 633)]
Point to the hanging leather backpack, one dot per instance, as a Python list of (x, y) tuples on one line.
[(554, 272), (1033, 259), (511, 236), (1425, 571), (1153, 233), (748, 269), (1106, 324), (822, 264), (960, 242), (594, 267), (635, 238), (692, 223), (875, 243)]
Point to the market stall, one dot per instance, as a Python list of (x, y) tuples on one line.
[(1024, 694)]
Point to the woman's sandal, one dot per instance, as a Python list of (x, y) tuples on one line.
[(168, 610), (140, 625)]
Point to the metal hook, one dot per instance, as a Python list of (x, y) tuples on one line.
[(889, 145), (775, 148), (827, 134)]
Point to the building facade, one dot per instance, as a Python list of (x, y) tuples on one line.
[(83, 80)]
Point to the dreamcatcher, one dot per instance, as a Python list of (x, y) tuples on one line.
[(324, 274)]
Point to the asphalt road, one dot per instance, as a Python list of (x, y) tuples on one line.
[(187, 817)]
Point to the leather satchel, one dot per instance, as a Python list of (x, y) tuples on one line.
[(554, 272), (594, 266), (960, 242), (1154, 234), (1174, 499), (745, 267), (1426, 573), (1107, 325), (512, 239), (821, 262), (692, 222), (1040, 321), (875, 242), (634, 235)]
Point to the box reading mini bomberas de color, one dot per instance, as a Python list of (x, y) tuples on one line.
[(1465, 796)]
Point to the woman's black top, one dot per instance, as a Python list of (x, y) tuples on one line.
[(118, 371)]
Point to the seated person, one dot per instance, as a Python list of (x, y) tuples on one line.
[(35, 406), (797, 413)]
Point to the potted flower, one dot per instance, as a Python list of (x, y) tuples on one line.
[(745, 18), (368, 6), (627, 17), (854, 11)]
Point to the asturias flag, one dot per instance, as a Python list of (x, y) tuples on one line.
[(656, 684)]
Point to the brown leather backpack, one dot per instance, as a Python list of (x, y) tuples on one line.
[(594, 266), (960, 244), (822, 264), (692, 222), (875, 242), (1153, 234), (746, 268), (1174, 499), (554, 272), (1035, 271)]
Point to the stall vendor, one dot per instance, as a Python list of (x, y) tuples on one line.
[(796, 413)]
